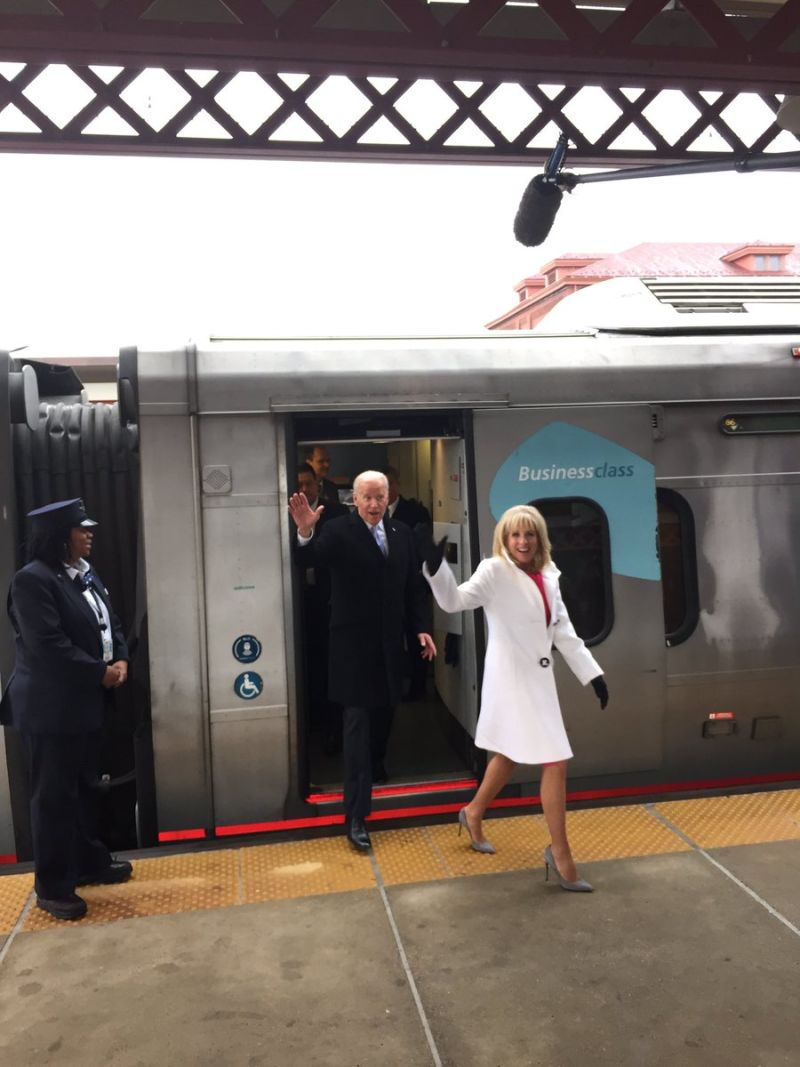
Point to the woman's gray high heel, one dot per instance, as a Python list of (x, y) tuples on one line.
[(479, 846), (581, 886)]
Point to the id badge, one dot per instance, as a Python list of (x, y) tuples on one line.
[(108, 647)]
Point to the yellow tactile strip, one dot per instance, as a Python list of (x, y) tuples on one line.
[(519, 841), (228, 877), (749, 819), (410, 855), (303, 868), (163, 886), (432, 852), (14, 891)]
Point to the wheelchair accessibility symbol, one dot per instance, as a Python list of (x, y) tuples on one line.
[(248, 685)]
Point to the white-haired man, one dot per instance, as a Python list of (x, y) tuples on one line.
[(375, 595)]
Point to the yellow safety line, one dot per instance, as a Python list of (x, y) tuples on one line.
[(224, 878)]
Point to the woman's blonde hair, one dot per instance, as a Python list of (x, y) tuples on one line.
[(522, 517)]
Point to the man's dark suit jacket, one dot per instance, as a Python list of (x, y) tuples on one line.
[(329, 491), (56, 683), (374, 599), (411, 512)]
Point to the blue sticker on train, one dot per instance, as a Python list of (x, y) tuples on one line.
[(247, 648), (248, 685), (563, 461)]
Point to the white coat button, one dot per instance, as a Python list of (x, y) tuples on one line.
[(544, 662)]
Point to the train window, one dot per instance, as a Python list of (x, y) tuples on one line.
[(578, 531), (676, 549), (760, 422)]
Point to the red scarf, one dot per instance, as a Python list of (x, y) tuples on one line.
[(539, 582)]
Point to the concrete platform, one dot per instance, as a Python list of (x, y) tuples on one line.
[(687, 953)]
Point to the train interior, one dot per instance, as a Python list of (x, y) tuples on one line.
[(430, 744)]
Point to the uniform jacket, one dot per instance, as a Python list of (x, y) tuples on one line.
[(520, 715), (373, 598), (56, 683)]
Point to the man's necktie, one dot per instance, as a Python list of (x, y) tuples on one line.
[(379, 534)]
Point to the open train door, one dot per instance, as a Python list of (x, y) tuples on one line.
[(590, 471)]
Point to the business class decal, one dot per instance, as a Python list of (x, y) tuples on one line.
[(561, 461)]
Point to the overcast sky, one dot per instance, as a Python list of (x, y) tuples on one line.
[(100, 251)]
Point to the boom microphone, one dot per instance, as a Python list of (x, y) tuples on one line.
[(542, 198), (537, 211)]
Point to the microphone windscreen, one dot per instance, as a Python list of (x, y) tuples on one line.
[(537, 211)]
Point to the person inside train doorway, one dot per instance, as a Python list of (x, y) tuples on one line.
[(70, 653), (315, 580), (411, 512), (520, 718), (374, 589), (319, 459)]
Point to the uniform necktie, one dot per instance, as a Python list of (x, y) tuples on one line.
[(85, 584), (380, 538)]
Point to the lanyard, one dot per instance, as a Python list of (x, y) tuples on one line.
[(94, 600)]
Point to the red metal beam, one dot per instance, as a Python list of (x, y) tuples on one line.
[(557, 39)]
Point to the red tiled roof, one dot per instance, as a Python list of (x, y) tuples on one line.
[(690, 259)]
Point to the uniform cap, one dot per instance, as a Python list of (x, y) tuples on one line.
[(60, 514)]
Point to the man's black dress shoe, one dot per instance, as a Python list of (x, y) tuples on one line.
[(116, 871), (71, 907), (357, 835), (380, 776)]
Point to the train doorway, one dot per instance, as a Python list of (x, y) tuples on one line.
[(427, 458)]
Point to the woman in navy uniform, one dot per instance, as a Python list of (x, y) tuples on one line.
[(70, 652)]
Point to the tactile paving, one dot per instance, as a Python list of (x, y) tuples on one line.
[(748, 819), (14, 892), (163, 886), (227, 877), (519, 841), (304, 868), (618, 833), (405, 856)]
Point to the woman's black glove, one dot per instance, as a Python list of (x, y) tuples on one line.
[(427, 549), (601, 689)]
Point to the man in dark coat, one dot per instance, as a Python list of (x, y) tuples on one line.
[(374, 589), (405, 509), (69, 652), (412, 513)]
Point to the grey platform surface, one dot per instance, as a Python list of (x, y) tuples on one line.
[(671, 962)]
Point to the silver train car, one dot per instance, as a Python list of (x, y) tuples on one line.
[(666, 463)]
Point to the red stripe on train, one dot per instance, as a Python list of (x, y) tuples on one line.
[(181, 835), (398, 790), (448, 808)]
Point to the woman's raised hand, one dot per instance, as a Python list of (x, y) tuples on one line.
[(427, 549), (305, 517)]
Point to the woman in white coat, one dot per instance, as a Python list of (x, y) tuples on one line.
[(520, 719)]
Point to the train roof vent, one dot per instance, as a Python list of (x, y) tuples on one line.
[(722, 295), (678, 304)]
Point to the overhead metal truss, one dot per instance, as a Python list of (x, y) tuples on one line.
[(98, 108), (629, 81)]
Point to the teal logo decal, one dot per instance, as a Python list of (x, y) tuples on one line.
[(563, 460)]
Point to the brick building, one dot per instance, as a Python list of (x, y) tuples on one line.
[(688, 276)]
